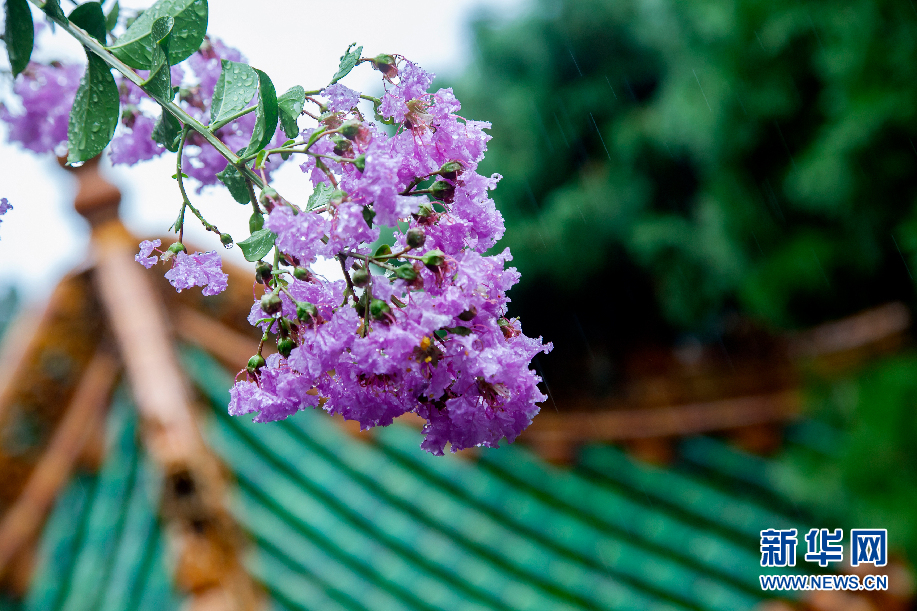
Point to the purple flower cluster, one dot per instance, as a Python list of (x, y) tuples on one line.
[(418, 325), (203, 269), (423, 330), (47, 93), (200, 269)]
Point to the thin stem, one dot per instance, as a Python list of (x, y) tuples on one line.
[(177, 111), (179, 175), (223, 122)]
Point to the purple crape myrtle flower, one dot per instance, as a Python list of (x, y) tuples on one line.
[(135, 143), (298, 235), (47, 94), (422, 334), (418, 325), (145, 257), (340, 97), (5, 207), (200, 269)]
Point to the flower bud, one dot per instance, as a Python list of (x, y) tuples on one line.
[(341, 144), (263, 272), (378, 309), (255, 222), (360, 277), (415, 237), (425, 210), (443, 190), (451, 170), (271, 303), (337, 196), (350, 128), (301, 273), (360, 162), (434, 258), (406, 272), (177, 247), (468, 314), (268, 193), (285, 346), (255, 363), (305, 311), (385, 64), (226, 239)]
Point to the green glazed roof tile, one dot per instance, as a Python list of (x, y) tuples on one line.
[(338, 524), (59, 543)]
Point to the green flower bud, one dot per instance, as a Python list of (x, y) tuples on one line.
[(263, 272), (271, 303), (443, 190), (226, 239), (360, 277), (341, 144), (415, 237), (337, 196), (255, 222), (255, 363), (451, 170), (268, 193), (305, 311), (360, 162), (378, 309), (385, 64), (301, 273), (425, 210), (285, 346), (434, 258), (468, 314), (177, 247), (406, 272), (350, 128)]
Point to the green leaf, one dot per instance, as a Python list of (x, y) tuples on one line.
[(320, 196), (348, 61), (94, 114), (159, 82), (135, 47), (286, 156), (237, 85), (167, 131), (19, 34), (52, 9), (291, 104), (111, 20), (459, 330), (257, 244), (235, 182), (266, 116), (316, 135), (90, 17)]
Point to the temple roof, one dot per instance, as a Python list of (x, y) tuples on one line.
[(127, 485)]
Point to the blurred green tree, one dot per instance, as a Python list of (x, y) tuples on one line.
[(668, 163)]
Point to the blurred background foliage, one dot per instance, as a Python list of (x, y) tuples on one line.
[(672, 167), (667, 164)]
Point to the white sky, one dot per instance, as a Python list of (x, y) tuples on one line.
[(42, 237)]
